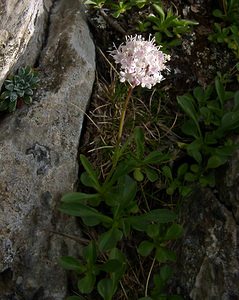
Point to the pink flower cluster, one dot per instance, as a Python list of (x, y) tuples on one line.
[(141, 61)]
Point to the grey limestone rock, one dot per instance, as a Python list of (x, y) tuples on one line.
[(38, 162), (22, 33), (208, 256)]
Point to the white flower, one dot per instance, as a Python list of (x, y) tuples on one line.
[(141, 61)]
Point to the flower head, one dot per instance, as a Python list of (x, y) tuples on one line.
[(141, 61)]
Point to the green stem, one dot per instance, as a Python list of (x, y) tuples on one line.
[(118, 149), (123, 114)]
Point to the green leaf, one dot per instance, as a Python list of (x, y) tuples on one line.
[(151, 174), (138, 175), (218, 13), (210, 138), (86, 284), (13, 97), (187, 104), (208, 180), (159, 285), (139, 140), (109, 239), (70, 263), (216, 161), (145, 248), (81, 210), (159, 10), (190, 177), (185, 191), (9, 87), (195, 168), (111, 266), (206, 114), (115, 253), (158, 216), (166, 273), (226, 151), (140, 3), (208, 91), (127, 189), (89, 169), (122, 195), (118, 255), (29, 92), (106, 288), (156, 157), (152, 230), (230, 121), (193, 150), (86, 180), (79, 197), (4, 95), (90, 253), (27, 100), (90, 2), (21, 71), (173, 186), (122, 169), (189, 128), (182, 170), (90, 221), (174, 232), (198, 93), (220, 91), (20, 93), (167, 172), (163, 255)]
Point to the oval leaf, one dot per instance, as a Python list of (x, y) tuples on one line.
[(175, 231), (89, 169), (71, 263), (78, 197), (106, 288), (145, 248), (86, 284), (109, 239)]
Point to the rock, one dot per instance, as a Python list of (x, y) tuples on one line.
[(208, 256), (22, 33), (38, 163), (229, 188)]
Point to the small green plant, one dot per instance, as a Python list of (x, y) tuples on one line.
[(117, 8), (114, 207), (227, 35), (168, 27), (88, 268), (227, 31), (181, 181), (212, 114), (229, 13), (18, 88)]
